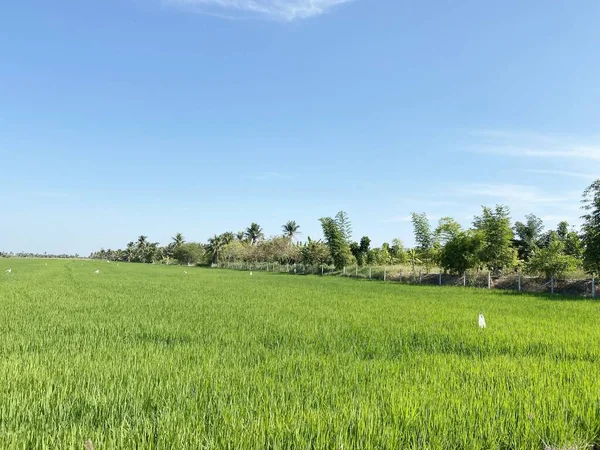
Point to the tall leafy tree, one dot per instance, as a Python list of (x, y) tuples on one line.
[(336, 241), (397, 251), (496, 232), (291, 229), (424, 238), (345, 226), (591, 228), (254, 233), (528, 236), (447, 229), (461, 252)]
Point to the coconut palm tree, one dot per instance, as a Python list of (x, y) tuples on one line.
[(178, 239), (130, 251), (254, 233), (227, 237), (213, 248), (290, 230)]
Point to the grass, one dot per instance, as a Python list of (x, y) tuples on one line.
[(148, 357)]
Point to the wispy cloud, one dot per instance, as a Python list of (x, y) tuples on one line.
[(513, 193), (535, 145), (585, 176), (283, 10)]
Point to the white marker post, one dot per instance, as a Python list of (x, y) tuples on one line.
[(489, 279), (464, 278)]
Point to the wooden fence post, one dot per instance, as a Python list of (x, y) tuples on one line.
[(465, 278), (384, 273), (489, 279), (440, 278)]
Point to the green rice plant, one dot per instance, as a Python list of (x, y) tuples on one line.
[(146, 356)]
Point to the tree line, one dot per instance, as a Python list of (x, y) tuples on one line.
[(492, 243)]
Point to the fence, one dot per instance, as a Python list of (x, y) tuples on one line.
[(478, 279)]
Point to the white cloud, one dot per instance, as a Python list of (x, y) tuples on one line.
[(284, 10)]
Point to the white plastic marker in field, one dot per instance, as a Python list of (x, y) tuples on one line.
[(9, 271), (250, 273), (185, 272), (482, 323), (97, 272)]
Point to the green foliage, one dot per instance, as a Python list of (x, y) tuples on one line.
[(591, 228), (189, 253), (345, 226), (291, 229), (424, 239), (462, 252), (397, 252), (551, 261), (315, 253), (447, 229), (335, 237), (360, 251), (494, 225), (254, 233), (527, 236)]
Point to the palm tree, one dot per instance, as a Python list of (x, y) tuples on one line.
[(254, 233), (213, 248), (240, 236), (227, 237), (142, 241), (130, 251), (178, 239), (290, 230)]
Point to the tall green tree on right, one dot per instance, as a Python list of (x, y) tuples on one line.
[(591, 228)]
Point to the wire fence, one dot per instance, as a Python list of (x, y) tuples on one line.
[(584, 287)]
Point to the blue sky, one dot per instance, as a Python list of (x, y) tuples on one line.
[(128, 117)]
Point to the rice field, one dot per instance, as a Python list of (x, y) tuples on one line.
[(149, 357)]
